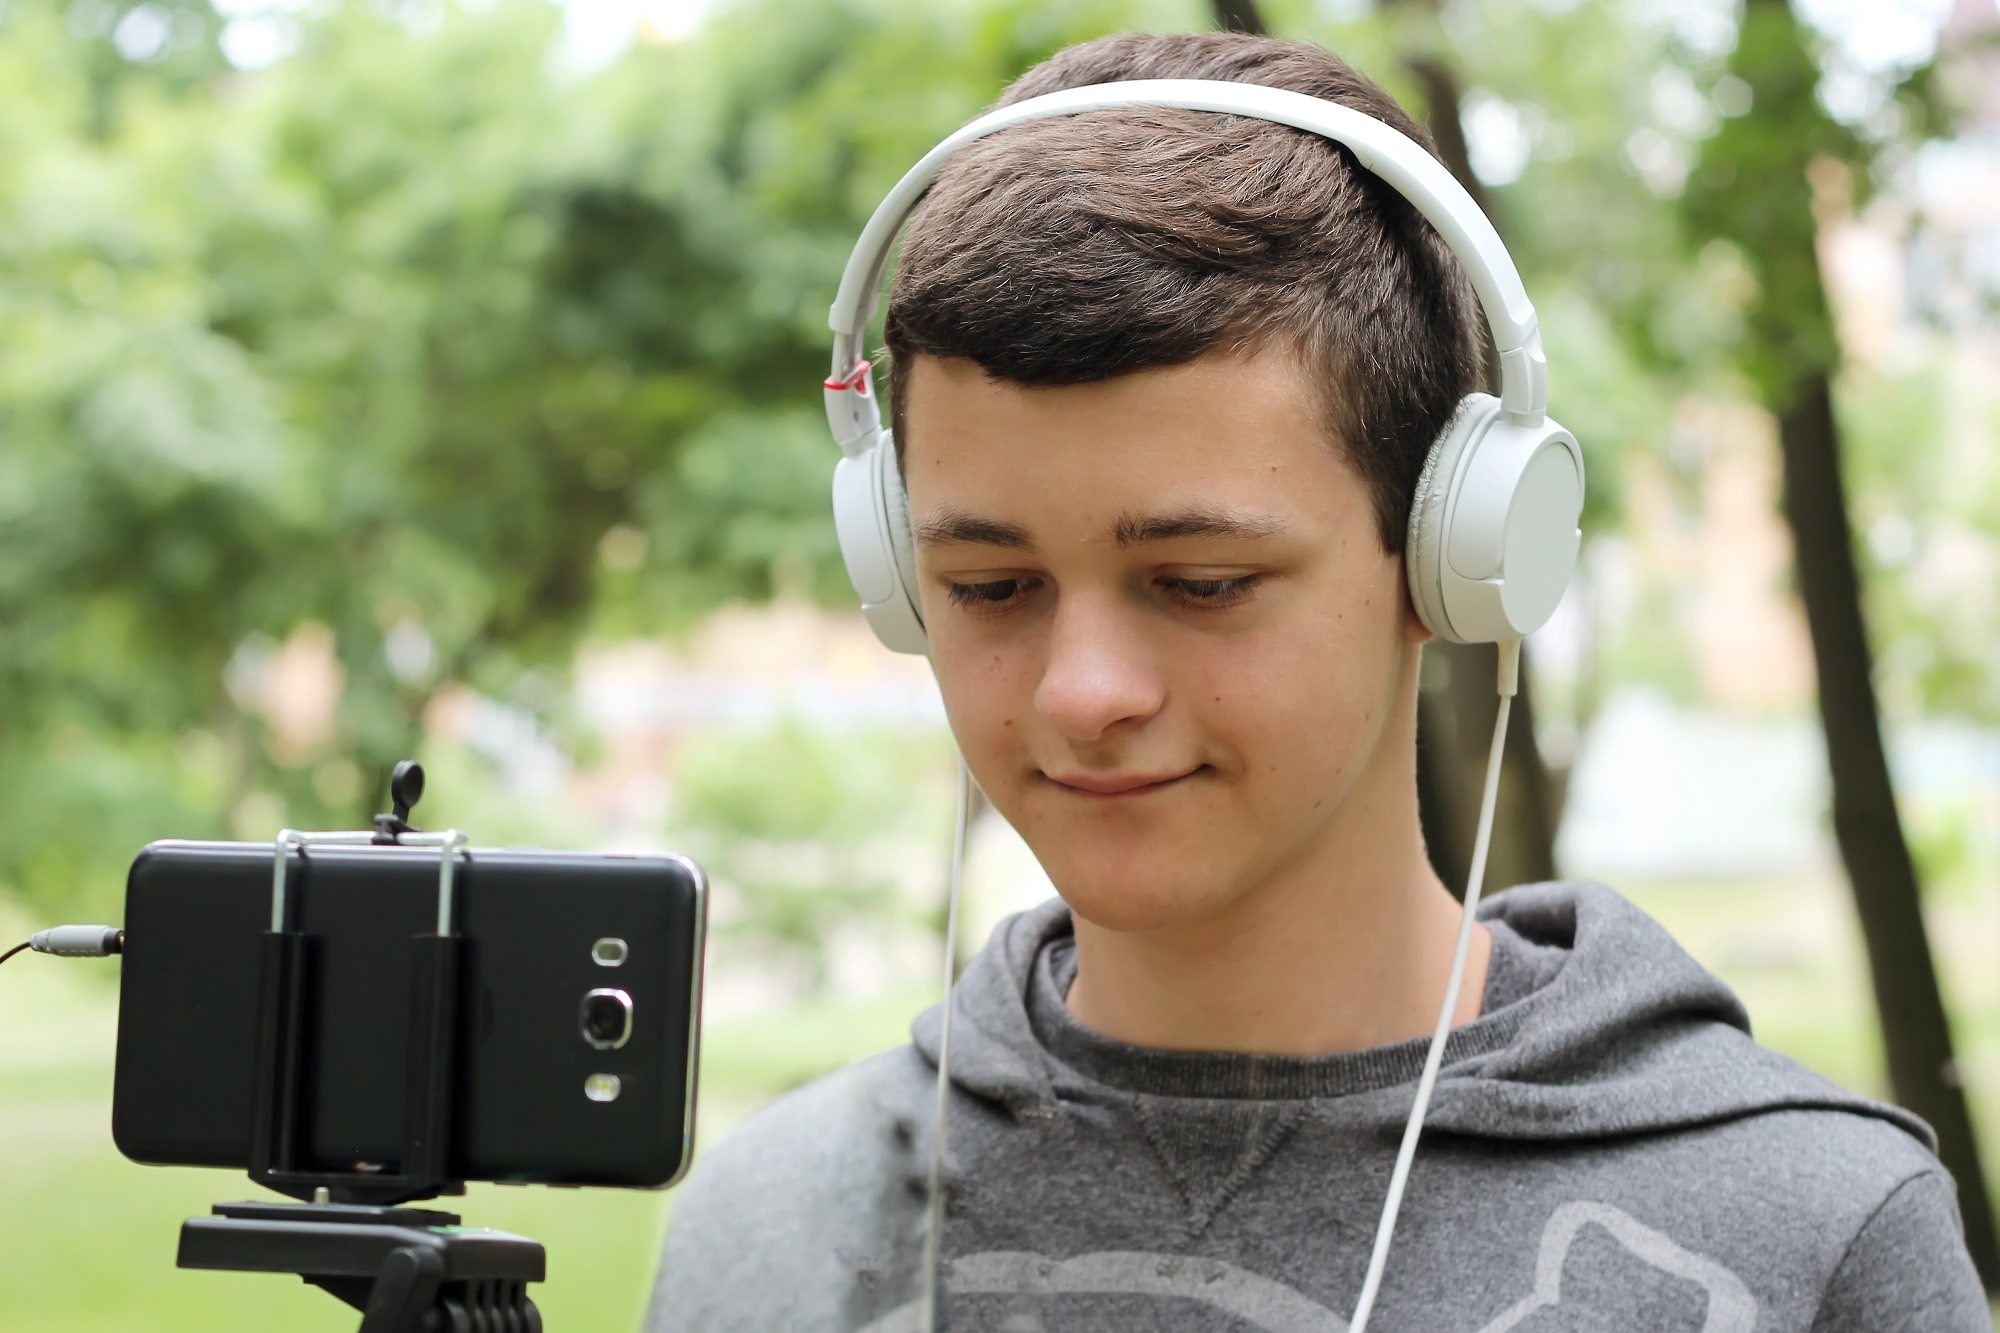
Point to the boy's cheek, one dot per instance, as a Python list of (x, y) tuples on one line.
[(987, 704)]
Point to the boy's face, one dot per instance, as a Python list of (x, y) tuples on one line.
[(1169, 641)]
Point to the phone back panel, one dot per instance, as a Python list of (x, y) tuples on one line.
[(195, 917)]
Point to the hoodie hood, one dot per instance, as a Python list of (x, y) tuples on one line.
[(1629, 1036), (1608, 1149)]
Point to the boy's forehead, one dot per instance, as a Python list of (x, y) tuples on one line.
[(1220, 447), (1225, 380)]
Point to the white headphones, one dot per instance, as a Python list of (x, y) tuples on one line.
[(1493, 527)]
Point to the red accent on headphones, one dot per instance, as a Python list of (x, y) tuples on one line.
[(856, 379)]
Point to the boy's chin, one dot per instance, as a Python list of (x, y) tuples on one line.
[(1135, 897)]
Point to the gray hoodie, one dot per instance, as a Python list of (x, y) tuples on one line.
[(1608, 1150)]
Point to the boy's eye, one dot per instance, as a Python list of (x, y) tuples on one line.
[(989, 595), (1210, 592)]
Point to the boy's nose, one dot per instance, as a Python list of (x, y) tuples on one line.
[(1100, 671)]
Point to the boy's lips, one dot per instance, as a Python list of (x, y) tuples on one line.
[(1117, 784)]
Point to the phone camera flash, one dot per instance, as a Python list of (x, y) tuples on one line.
[(602, 1087), (609, 952)]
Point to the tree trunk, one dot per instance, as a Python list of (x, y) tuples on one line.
[(1239, 16), (1916, 1033)]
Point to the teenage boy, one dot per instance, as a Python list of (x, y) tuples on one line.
[(1163, 383)]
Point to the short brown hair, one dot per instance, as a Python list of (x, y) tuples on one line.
[(1085, 247)]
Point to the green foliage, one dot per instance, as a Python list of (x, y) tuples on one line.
[(1596, 244), (1953, 849), (1925, 512), (1750, 189), (1751, 194), (123, 47), (1757, 196), (799, 824), (387, 338)]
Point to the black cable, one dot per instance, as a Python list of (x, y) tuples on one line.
[(16, 949)]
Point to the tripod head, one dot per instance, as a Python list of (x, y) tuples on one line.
[(408, 1270)]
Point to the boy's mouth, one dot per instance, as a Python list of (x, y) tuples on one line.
[(1118, 784)]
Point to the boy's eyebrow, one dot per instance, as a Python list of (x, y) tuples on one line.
[(957, 526), (1133, 529)]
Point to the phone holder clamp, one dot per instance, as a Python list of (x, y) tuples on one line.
[(409, 1270)]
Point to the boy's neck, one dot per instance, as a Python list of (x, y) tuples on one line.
[(1347, 948)]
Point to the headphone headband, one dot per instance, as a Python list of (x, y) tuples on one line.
[(1493, 533), (1383, 150)]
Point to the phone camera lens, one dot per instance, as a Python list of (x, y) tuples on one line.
[(606, 1019)]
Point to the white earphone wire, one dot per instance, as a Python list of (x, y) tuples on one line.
[(934, 1210), (1385, 1230)]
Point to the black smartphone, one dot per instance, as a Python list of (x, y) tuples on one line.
[(579, 993)]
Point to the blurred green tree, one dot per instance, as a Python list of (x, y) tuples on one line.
[(405, 362), (1751, 189), (147, 474)]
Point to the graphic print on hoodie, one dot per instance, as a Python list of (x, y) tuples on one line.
[(1607, 1150)]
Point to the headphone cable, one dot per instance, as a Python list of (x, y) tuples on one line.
[(930, 1311), (1385, 1231)]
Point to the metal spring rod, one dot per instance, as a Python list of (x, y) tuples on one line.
[(448, 843)]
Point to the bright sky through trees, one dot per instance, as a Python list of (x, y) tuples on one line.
[(600, 29)]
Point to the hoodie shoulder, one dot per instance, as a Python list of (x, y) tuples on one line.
[(1632, 1036), (784, 1223), (1907, 1268)]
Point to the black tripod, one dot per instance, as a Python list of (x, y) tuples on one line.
[(408, 1270)]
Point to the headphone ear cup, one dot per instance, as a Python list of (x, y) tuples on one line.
[(898, 620), (896, 517), (1424, 547), (872, 518), (1493, 524)]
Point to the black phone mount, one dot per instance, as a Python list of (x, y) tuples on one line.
[(409, 1270)]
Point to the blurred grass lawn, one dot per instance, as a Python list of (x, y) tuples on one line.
[(87, 1239)]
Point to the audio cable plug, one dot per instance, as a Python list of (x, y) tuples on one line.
[(73, 942)]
